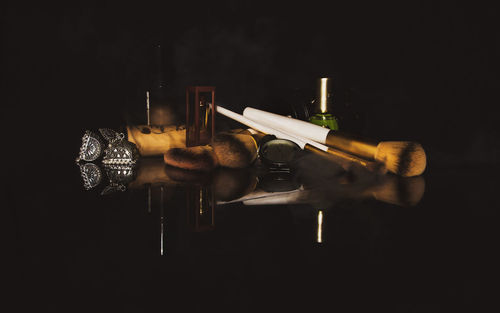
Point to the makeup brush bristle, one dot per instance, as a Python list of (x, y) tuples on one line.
[(234, 150), (404, 158)]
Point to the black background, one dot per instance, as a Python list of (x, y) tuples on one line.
[(421, 71)]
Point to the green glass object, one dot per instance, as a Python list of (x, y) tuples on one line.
[(322, 105), (325, 120)]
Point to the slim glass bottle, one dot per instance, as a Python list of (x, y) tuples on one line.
[(163, 113), (322, 105)]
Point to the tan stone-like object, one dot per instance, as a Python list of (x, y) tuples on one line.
[(154, 142)]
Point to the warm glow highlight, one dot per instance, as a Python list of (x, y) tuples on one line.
[(324, 94), (320, 226), (147, 108), (201, 202)]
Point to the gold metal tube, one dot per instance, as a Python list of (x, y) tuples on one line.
[(323, 94), (352, 145), (345, 159)]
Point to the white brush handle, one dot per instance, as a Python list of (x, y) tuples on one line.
[(288, 124), (266, 129)]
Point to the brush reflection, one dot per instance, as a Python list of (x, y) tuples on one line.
[(318, 188), (389, 189), (200, 207), (319, 184), (119, 176)]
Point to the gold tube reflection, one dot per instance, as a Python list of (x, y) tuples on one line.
[(201, 201), (320, 227)]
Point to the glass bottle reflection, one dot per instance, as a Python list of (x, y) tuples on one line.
[(201, 204)]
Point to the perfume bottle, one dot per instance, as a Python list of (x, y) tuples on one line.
[(322, 105)]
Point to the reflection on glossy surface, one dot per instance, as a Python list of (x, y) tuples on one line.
[(315, 187), (390, 189), (119, 176), (162, 221), (403, 191), (324, 188), (369, 248), (278, 180), (200, 206), (262, 197), (91, 175), (152, 172), (230, 184), (320, 227)]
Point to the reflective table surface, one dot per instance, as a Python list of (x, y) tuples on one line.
[(252, 240)]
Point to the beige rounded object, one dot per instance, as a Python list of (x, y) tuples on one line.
[(234, 150), (152, 141), (199, 158)]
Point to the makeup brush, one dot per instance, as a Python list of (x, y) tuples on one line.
[(404, 158), (226, 150), (303, 143), (234, 150)]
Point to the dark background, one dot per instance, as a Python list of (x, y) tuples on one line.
[(422, 71)]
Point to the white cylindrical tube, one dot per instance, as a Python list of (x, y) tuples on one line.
[(287, 124), (301, 142)]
